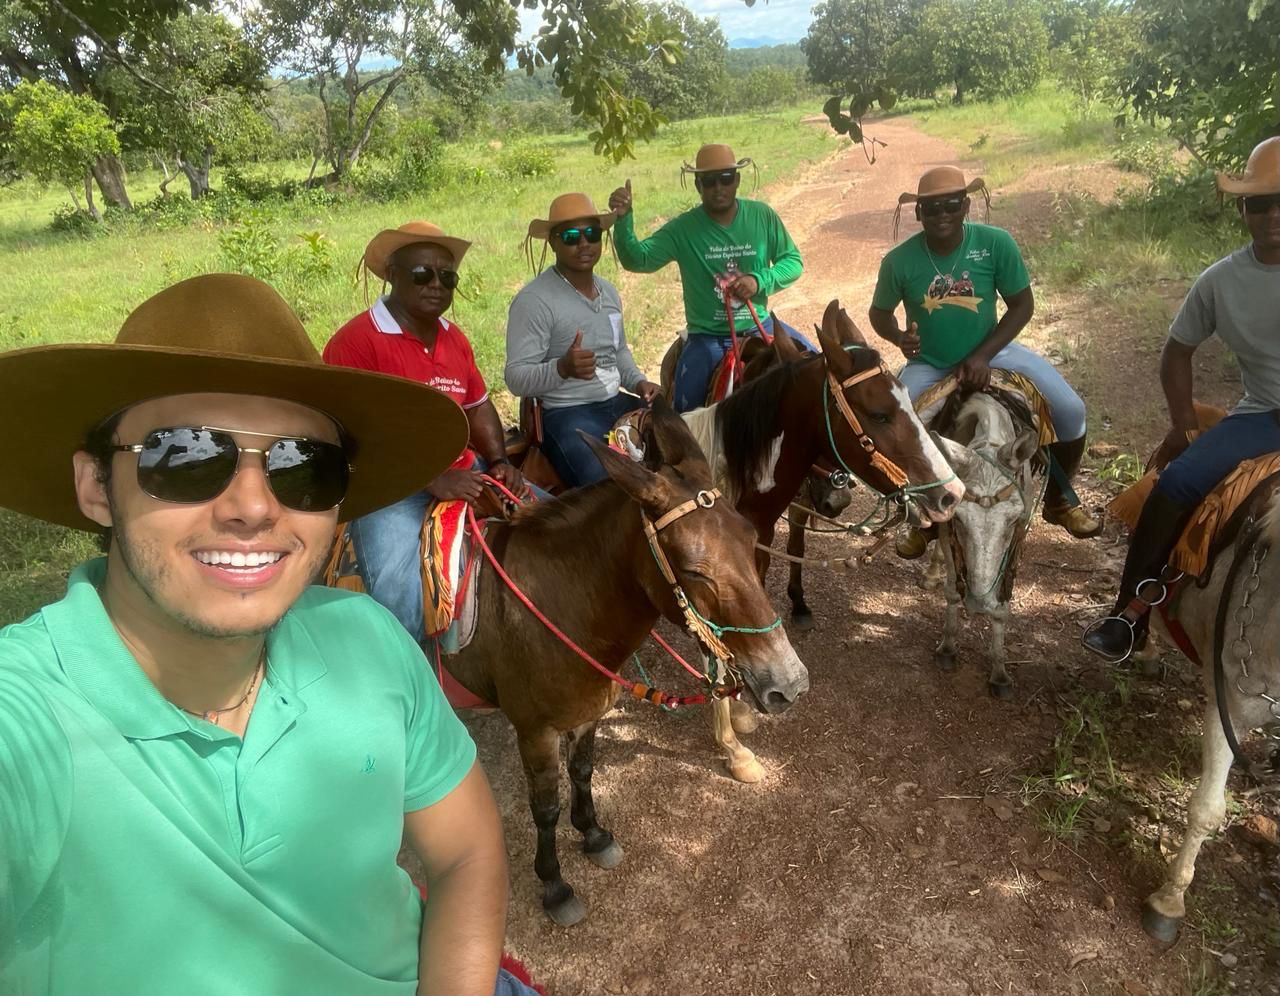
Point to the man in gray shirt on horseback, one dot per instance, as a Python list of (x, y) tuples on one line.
[(1237, 299)]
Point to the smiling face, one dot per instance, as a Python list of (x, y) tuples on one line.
[(225, 568), (942, 217), (583, 255), (1261, 214), (423, 302), (718, 197)]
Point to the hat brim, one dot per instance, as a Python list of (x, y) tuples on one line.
[(740, 164), (383, 245), (540, 228), (403, 434), (972, 187), (1244, 186)]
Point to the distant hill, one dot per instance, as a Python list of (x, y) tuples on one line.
[(743, 59), (763, 42)]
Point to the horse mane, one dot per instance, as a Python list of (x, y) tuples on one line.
[(747, 421), (573, 510)]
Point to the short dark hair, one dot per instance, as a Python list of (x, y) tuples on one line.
[(98, 443)]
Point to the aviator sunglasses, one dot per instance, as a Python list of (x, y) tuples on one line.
[(943, 205), (423, 275), (1260, 203), (572, 236), (189, 465), (715, 179)]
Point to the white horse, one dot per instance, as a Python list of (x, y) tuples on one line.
[(1235, 629), (979, 548)]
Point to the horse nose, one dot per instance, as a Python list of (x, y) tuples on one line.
[(947, 502), (779, 696)]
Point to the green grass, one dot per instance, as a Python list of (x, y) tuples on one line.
[(69, 288)]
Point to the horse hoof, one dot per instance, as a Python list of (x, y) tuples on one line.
[(743, 719), (947, 662), (568, 912), (801, 622), (608, 858), (931, 583), (748, 772), (1001, 689), (1158, 926)]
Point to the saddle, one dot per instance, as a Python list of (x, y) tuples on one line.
[(523, 446), (1217, 520), (719, 387), (1023, 400)]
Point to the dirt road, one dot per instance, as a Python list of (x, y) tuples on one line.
[(896, 846)]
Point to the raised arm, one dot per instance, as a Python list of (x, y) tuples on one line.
[(636, 254)]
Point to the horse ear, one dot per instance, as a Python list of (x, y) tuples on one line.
[(958, 455), (675, 444), (1015, 453), (839, 362), (783, 344), (849, 332), (634, 478)]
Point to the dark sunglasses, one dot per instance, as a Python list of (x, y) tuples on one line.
[(423, 275), (727, 178), (572, 236), (1260, 203), (189, 465), (942, 205)]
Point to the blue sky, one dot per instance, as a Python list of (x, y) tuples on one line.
[(777, 20)]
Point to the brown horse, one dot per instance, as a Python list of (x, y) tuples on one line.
[(586, 562)]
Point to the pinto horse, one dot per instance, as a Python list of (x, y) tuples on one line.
[(590, 562), (841, 407)]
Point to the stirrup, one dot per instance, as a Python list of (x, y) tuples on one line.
[(1139, 608), (1097, 624)]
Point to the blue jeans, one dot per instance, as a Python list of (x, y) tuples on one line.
[(698, 360), (568, 451), (1064, 404), (509, 985), (388, 546), (1203, 464)]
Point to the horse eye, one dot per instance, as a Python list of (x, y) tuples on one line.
[(880, 418)]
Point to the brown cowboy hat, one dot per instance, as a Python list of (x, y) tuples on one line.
[(1261, 174), (381, 247), (569, 207), (714, 159), (940, 181), (219, 332)]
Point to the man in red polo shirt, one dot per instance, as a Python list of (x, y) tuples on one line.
[(405, 334)]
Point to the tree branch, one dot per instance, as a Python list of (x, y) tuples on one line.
[(109, 51)]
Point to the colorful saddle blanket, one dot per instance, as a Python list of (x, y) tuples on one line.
[(1215, 522), (1016, 392)]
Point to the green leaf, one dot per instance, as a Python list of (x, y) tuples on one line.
[(832, 107), (887, 99)]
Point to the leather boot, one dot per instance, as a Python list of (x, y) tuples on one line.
[(1063, 509), (1159, 526)]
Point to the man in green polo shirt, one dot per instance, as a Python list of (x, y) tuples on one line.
[(947, 277), (207, 766), (732, 254)]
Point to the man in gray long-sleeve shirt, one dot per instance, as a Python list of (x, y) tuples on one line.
[(566, 345)]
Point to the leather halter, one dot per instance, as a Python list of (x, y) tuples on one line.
[(896, 475), (990, 501)]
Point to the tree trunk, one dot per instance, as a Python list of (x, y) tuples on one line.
[(109, 172), (197, 175), (168, 177), (88, 196)]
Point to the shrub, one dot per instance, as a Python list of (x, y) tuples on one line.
[(526, 161), (251, 247), (71, 219)]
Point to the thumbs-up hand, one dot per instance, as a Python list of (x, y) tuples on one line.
[(620, 199), (577, 362), (909, 341)]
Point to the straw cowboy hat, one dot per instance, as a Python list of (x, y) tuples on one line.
[(381, 247), (938, 182), (715, 159), (1261, 174), (220, 332), (569, 207)]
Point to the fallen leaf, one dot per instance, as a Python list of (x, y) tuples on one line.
[(1049, 875), (1134, 988), (1082, 957), (1102, 825), (1262, 830)]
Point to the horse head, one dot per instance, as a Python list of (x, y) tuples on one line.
[(711, 552), (993, 460), (876, 433)]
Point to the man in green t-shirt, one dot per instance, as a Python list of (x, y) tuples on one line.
[(732, 254), (947, 277), (207, 766)]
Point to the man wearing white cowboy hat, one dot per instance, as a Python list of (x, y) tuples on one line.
[(947, 277), (206, 764), (732, 254), (566, 344), (405, 334), (1236, 299)]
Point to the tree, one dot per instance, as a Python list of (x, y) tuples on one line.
[(57, 136), (1212, 70), (848, 43), (983, 47), (1093, 43), (694, 84)]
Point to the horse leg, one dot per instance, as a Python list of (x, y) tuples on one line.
[(540, 755), (764, 539), (935, 575), (744, 718), (1163, 912), (999, 682), (945, 653), (742, 764), (801, 617), (597, 843)]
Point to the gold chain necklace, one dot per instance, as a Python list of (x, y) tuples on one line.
[(211, 715), (952, 272)]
